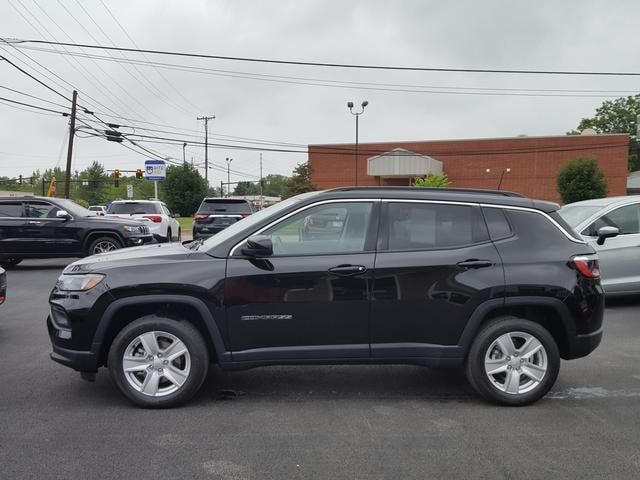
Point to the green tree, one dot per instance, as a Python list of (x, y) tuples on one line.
[(247, 188), (581, 179), (299, 182), (184, 188), (273, 185), (617, 116), (432, 180), (92, 184)]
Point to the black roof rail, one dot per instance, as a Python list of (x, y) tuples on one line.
[(478, 191)]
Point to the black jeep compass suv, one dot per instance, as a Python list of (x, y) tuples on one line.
[(437, 277)]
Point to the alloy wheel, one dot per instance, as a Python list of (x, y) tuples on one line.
[(156, 363), (516, 363), (104, 246)]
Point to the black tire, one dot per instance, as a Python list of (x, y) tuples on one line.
[(179, 235), (9, 263), (187, 334), (169, 237), (491, 389), (95, 244)]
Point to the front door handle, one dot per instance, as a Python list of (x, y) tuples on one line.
[(474, 263), (33, 222), (348, 270)]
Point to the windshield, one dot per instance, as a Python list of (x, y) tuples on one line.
[(225, 206), (248, 222), (131, 208), (574, 215), (73, 208)]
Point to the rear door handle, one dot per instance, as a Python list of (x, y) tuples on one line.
[(348, 270), (33, 222), (473, 263)]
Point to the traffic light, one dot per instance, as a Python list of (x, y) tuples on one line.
[(116, 175), (139, 173)]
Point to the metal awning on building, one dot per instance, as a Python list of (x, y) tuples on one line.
[(402, 163)]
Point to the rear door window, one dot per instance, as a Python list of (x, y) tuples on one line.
[(497, 223), (11, 209), (430, 226)]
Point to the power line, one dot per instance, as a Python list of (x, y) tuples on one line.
[(32, 96), (27, 110), (336, 65), (65, 114), (371, 86)]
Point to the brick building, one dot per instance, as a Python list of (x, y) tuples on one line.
[(527, 165)]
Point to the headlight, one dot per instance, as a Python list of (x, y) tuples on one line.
[(75, 283), (131, 229)]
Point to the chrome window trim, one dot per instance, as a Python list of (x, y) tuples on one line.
[(540, 212), (412, 200), (301, 209)]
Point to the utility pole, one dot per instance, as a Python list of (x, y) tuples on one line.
[(206, 146), (72, 132), (229, 160), (261, 186)]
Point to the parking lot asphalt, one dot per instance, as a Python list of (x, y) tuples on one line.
[(343, 422)]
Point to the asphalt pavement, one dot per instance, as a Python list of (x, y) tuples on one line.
[(345, 422)]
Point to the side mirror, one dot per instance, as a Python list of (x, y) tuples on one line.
[(258, 246), (63, 214), (607, 232)]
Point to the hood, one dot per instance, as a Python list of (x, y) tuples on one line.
[(131, 257)]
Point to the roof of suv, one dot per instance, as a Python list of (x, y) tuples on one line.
[(496, 197)]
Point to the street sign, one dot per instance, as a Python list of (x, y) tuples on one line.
[(155, 170), (129, 191)]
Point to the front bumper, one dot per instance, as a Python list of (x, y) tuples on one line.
[(80, 360), (137, 240)]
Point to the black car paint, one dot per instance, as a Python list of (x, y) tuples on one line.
[(294, 310), (3, 285), (25, 237)]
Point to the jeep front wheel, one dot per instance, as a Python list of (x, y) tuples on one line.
[(103, 245), (513, 361), (157, 362)]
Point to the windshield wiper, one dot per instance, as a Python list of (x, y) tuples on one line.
[(194, 245)]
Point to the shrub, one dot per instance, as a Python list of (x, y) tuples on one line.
[(439, 180), (581, 179)]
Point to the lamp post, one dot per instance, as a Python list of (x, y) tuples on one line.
[(357, 115), (184, 158), (229, 160)]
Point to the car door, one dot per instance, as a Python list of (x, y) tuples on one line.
[(619, 256), (171, 220), (12, 239), (435, 265), (311, 298), (47, 234)]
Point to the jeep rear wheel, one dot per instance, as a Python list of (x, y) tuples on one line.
[(513, 361), (157, 362)]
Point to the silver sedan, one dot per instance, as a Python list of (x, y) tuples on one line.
[(612, 227)]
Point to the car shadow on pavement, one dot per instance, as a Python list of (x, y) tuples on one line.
[(343, 382)]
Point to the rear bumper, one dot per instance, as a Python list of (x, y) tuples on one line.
[(583, 345)]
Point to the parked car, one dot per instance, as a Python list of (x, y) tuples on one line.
[(42, 227), (620, 256), (98, 209), (163, 223), (3, 286), (438, 277), (215, 214)]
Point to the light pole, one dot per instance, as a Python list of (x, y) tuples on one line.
[(357, 115), (229, 160), (184, 158)]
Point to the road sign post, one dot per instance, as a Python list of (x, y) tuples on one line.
[(129, 191), (155, 170)]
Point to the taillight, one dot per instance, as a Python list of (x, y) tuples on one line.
[(588, 266), (201, 217), (154, 218)]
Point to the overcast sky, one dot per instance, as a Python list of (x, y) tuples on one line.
[(550, 35)]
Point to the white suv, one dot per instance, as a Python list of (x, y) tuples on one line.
[(162, 223)]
